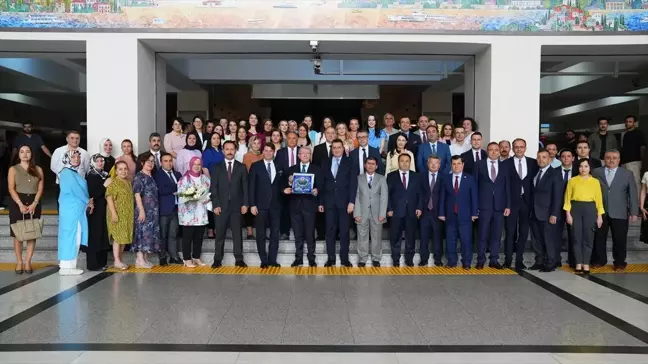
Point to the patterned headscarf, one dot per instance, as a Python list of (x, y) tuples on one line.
[(93, 166), (67, 159)]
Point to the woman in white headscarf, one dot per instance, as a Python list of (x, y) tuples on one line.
[(105, 149), (74, 200)]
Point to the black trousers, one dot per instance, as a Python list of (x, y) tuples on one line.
[(517, 224), (561, 225), (96, 260), (619, 228), (192, 239), (267, 219), (304, 226), (229, 218), (286, 218), (543, 244)]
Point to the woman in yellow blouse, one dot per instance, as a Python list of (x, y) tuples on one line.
[(584, 208), (392, 157)]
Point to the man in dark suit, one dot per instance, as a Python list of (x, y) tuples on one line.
[(154, 148), (413, 140), (494, 193), (303, 208), (404, 207), (229, 195), (286, 158), (360, 154), (321, 155), (265, 192), (583, 152), (337, 197), (431, 226), (548, 198), (433, 147), (474, 155), (458, 208), (522, 170), (565, 169), (166, 180)]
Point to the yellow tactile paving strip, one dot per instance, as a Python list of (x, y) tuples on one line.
[(6, 267), (609, 269), (318, 271), (44, 212)]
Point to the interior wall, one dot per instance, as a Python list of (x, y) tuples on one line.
[(399, 100)]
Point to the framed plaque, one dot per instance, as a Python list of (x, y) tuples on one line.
[(302, 183)]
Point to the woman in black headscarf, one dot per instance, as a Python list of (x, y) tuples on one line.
[(98, 243)]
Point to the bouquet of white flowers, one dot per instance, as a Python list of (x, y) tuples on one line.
[(196, 193)]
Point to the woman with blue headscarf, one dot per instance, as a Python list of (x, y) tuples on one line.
[(74, 200)]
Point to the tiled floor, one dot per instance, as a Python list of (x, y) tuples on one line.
[(636, 282)]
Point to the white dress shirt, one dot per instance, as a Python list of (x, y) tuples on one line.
[(273, 170), (454, 178), (436, 177), (516, 162), (242, 149), (478, 151), (489, 164), (293, 152), (303, 166), (459, 149), (157, 157), (543, 171), (407, 177), (370, 178), (56, 163)]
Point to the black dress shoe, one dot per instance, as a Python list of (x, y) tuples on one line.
[(347, 264), (396, 264), (586, 273), (163, 262), (264, 266), (175, 261), (361, 265), (438, 264), (466, 267), (275, 265), (479, 266), (451, 266), (507, 265), (240, 264), (312, 263), (495, 265), (297, 263), (548, 269), (520, 266), (409, 264), (423, 264), (559, 265), (320, 238), (375, 263), (536, 266), (217, 264), (329, 263), (578, 270)]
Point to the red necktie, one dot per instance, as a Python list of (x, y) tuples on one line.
[(477, 156), (404, 181), (229, 171), (292, 157), (456, 191)]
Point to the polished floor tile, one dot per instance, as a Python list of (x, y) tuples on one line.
[(635, 282)]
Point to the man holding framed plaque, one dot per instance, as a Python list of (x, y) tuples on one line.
[(337, 200), (300, 179)]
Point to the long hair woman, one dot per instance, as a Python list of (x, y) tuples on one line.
[(192, 215), (392, 157), (146, 239), (191, 149), (321, 137), (377, 137), (241, 143), (343, 134), (267, 129), (584, 210), (303, 140), (128, 156), (74, 200), (106, 147), (230, 133), (447, 133), (253, 155), (120, 212), (277, 140), (98, 243), (253, 129), (26, 189), (175, 139)]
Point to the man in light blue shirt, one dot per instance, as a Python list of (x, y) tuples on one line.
[(552, 148)]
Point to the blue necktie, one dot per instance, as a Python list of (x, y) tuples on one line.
[(370, 181), (303, 168), (336, 166), (566, 175), (434, 149), (269, 172)]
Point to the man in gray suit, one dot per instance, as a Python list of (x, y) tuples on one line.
[(621, 204), (370, 212)]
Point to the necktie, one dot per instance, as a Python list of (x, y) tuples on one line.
[(229, 171), (330, 152), (430, 205), (609, 177), (424, 137), (521, 176), (364, 155), (336, 166), (434, 149), (476, 156), (493, 172), (566, 175), (292, 156), (370, 181), (538, 178), (269, 172), (404, 181), (174, 182), (456, 191), (303, 168), (157, 160)]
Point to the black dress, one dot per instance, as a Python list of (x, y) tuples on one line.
[(109, 162), (98, 243)]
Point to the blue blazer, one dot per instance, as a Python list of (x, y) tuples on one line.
[(282, 159), (166, 189), (493, 196), (424, 151), (548, 195), (426, 192), (211, 157), (338, 191), (373, 152), (404, 202), (469, 160), (466, 199), (264, 194), (517, 184)]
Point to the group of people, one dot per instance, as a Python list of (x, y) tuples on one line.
[(436, 182)]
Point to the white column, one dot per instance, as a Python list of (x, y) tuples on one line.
[(469, 88), (121, 91), (507, 92), (160, 92)]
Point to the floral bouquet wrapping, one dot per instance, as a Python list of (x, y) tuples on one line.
[(196, 193)]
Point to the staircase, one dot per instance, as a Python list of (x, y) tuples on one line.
[(47, 245)]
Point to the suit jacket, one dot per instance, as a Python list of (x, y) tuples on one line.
[(466, 199), (404, 202), (413, 142), (229, 194), (424, 151), (206, 141), (469, 160), (320, 154), (493, 196), (518, 184), (622, 192), (338, 191), (282, 159), (548, 195), (372, 152), (303, 203), (265, 194), (594, 163), (371, 203), (166, 189), (436, 193)]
